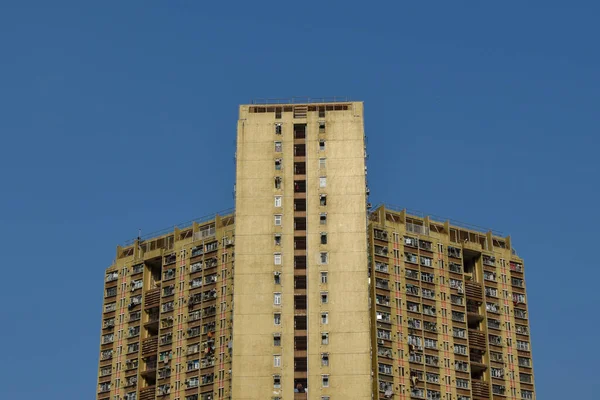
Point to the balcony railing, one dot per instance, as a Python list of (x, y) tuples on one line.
[(150, 346), (152, 298), (474, 290), (480, 389), (476, 339), (148, 393)]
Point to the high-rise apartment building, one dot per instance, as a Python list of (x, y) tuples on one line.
[(449, 311), (166, 323), (320, 299), (301, 253)]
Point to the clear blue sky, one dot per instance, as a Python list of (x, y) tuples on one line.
[(116, 116)]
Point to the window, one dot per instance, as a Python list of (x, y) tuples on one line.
[(324, 338), (321, 145), (415, 341), (277, 278), (524, 362), (526, 394), (430, 343), (277, 201), (427, 277), (455, 299), (277, 319), (278, 147), (110, 292), (409, 273), (322, 199), (109, 338), (323, 276), (193, 365), (138, 268), (277, 299), (323, 218), (460, 333), (460, 349), (321, 127), (492, 307), (324, 297), (429, 310), (278, 164), (277, 238), (278, 219), (323, 237), (324, 257), (277, 381), (112, 276), (431, 360), (277, 340), (134, 331), (497, 373), (324, 318), (322, 163), (133, 347), (385, 369), (323, 181), (277, 182), (196, 267), (277, 258), (426, 261), (489, 276), (325, 381), (433, 395), (414, 307), (278, 126), (277, 361), (521, 345), (414, 323), (461, 366), (432, 378), (462, 383), (526, 378)]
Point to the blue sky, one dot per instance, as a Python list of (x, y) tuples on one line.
[(118, 116)]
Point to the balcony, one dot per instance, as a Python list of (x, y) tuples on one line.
[(152, 298), (474, 290), (148, 393), (150, 370), (477, 363), (150, 346), (480, 389), (477, 339)]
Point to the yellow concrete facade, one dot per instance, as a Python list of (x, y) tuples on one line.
[(327, 161)]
